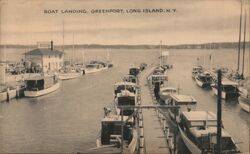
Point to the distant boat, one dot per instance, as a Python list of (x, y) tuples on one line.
[(204, 79), (229, 89), (134, 71), (196, 70), (69, 73), (42, 85), (185, 102), (95, 66), (198, 130)]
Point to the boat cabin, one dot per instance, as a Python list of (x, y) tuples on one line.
[(229, 89), (201, 128), (40, 82), (111, 130), (160, 78)]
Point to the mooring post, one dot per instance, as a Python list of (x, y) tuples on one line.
[(122, 130), (219, 114)]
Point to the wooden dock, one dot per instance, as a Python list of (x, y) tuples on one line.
[(155, 138)]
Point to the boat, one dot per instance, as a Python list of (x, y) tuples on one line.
[(94, 67), (111, 135), (204, 79), (125, 95), (69, 73), (196, 70), (42, 85), (134, 71), (229, 89), (198, 130), (185, 102), (165, 93)]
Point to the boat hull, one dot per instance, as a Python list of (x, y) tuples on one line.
[(67, 76), (189, 144), (42, 92), (245, 103)]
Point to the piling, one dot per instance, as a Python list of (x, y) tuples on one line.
[(219, 114)]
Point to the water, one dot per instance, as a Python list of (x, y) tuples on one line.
[(68, 120)]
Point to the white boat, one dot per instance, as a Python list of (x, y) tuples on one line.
[(196, 70), (94, 68), (229, 89), (165, 93), (42, 85), (204, 79), (185, 102), (198, 130)]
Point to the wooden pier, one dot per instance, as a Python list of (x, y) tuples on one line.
[(156, 138)]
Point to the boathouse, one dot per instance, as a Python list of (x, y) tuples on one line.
[(45, 56)]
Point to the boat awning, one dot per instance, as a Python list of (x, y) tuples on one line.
[(168, 89), (227, 82), (183, 99), (199, 116)]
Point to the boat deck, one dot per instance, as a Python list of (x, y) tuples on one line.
[(155, 141)]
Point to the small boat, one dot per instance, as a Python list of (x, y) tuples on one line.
[(94, 67), (69, 73), (204, 79), (42, 85), (185, 102), (110, 137), (229, 89), (196, 70), (134, 71), (198, 131), (165, 93), (125, 95)]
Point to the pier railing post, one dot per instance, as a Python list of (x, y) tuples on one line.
[(219, 114)]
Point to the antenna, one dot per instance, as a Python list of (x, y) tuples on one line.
[(238, 66)]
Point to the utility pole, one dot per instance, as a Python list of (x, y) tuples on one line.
[(219, 114)]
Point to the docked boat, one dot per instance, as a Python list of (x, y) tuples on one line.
[(198, 130), (185, 102), (204, 79), (134, 71), (42, 85), (229, 89), (94, 67), (165, 93), (69, 73), (125, 95), (196, 70), (111, 135)]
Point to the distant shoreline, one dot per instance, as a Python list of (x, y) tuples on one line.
[(218, 45)]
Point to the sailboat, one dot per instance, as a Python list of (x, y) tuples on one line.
[(69, 72)]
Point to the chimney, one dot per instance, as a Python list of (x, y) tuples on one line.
[(51, 45)]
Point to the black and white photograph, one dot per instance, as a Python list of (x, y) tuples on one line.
[(125, 76)]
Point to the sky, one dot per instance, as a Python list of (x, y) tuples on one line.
[(194, 21)]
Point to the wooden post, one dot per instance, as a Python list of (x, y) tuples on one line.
[(122, 131), (219, 114)]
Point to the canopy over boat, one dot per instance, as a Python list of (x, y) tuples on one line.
[(183, 99), (168, 89), (199, 116)]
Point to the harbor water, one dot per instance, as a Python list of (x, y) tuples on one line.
[(68, 120)]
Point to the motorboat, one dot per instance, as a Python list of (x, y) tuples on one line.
[(42, 85), (198, 130), (134, 71), (229, 89), (95, 66), (204, 79), (196, 70), (185, 102), (69, 73)]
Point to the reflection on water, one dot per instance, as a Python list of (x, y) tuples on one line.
[(68, 120)]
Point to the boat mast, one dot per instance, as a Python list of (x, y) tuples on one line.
[(244, 44), (238, 65), (160, 54), (73, 53)]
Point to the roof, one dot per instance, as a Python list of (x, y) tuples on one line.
[(199, 116), (168, 88), (44, 51), (183, 98), (227, 82), (210, 130)]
